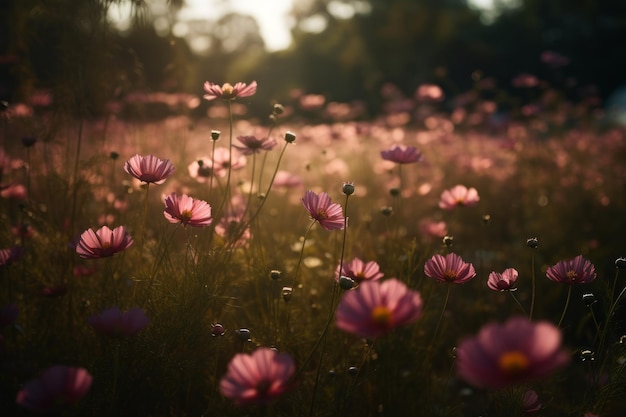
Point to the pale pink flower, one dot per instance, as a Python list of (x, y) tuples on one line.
[(459, 195), (232, 229), (250, 144), (227, 91), (258, 378), (149, 169), (103, 242), (573, 271), (512, 353), (374, 308), (188, 211), (359, 271), (286, 179), (525, 81), (434, 229), (58, 386), (429, 92), (112, 322), (328, 214), (504, 281), (449, 269), (14, 191), (402, 154)]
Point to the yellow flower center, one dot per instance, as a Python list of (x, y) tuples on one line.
[(381, 316), (572, 275), (321, 214), (186, 215), (513, 363), (449, 275), (227, 90)]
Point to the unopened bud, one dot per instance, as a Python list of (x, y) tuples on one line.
[(290, 137), (532, 242), (278, 109), (348, 188), (448, 241), (286, 293), (243, 334), (275, 274), (215, 134), (386, 211), (620, 263), (346, 283), (217, 330)]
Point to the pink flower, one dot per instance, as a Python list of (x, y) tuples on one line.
[(506, 354), (112, 322), (359, 271), (450, 268), (459, 195), (227, 91), (204, 167), (149, 169), (429, 92), (104, 242), (257, 378), (573, 271), (58, 386), (233, 230), (374, 308), (504, 281), (14, 191), (530, 402), (10, 255), (250, 144), (286, 179), (402, 154), (188, 211), (328, 214), (434, 229)]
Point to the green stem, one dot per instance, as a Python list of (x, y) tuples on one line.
[(532, 294), (443, 310), (518, 302), (569, 296)]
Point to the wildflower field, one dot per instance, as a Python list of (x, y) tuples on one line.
[(432, 260)]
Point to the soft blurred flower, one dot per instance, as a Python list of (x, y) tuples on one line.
[(450, 269), (149, 169), (504, 281), (328, 214), (10, 255), (14, 191), (8, 314), (573, 271), (54, 291), (58, 386), (222, 161), (257, 378), (103, 243), (250, 144), (377, 307), (188, 211), (227, 91), (402, 154), (530, 402), (359, 271), (83, 270), (233, 230), (459, 195), (429, 92), (112, 322), (285, 179), (434, 229), (554, 59), (507, 354), (525, 81)]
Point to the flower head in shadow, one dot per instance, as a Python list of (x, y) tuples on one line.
[(512, 353), (227, 91), (402, 154), (328, 214), (149, 169), (573, 271), (504, 281), (258, 378), (250, 144), (112, 322), (103, 243)]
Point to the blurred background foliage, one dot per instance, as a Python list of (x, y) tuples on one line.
[(72, 48)]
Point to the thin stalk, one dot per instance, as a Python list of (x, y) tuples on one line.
[(518, 302), (443, 310), (533, 287), (569, 296)]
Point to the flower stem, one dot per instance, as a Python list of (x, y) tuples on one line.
[(532, 294), (518, 302), (569, 296), (443, 311)]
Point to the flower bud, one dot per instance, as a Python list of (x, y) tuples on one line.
[(278, 109), (346, 283), (114, 155), (448, 241), (215, 134), (348, 188), (217, 330), (486, 218), (290, 137), (395, 191), (532, 242), (620, 263), (275, 274), (589, 299), (286, 293), (386, 211), (243, 334)]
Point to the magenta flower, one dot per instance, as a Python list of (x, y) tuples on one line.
[(374, 308), (58, 386), (402, 154), (504, 281), (359, 271), (506, 354), (227, 91), (103, 243), (250, 144), (459, 195), (450, 268), (257, 378), (573, 271), (188, 211), (10, 255), (112, 322), (328, 214), (149, 169)]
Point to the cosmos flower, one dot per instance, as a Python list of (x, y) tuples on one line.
[(58, 386), (222, 161), (507, 354), (402, 154), (10, 255), (232, 229), (250, 144), (504, 281), (227, 91), (112, 322), (328, 214), (573, 271), (149, 169), (285, 179), (459, 195), (188, 211), (103, 243), (359, 271), (257, 378), (450, 268), (374, 308)]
